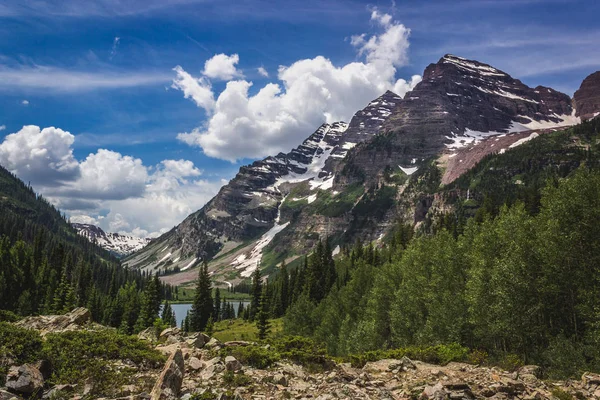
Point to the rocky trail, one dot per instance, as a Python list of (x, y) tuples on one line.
[(196, 370)]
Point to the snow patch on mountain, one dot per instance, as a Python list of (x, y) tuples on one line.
[(120, 245)]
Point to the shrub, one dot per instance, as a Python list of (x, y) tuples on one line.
[(18, 344), (255, 356), (79, 356), (8, 316), (233, 379), (303, 351), (440, 354), (510, 362)]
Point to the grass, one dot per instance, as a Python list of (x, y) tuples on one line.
[(238, 329)]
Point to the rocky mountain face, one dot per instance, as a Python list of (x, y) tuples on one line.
[(587, 98), (120, 245), (348, 181)]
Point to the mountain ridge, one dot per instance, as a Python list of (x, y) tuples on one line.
[(354, 189), (116, 243)]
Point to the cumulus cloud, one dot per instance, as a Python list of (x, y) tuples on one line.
[(222, 66), (40, 156), (197, 89), (114, 191), (2, 127), (263, 72), (310, 91), (25, 102)]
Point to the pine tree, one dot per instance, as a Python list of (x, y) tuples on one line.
[(262, 318), (168, 316), (202, 307), (256, 292), (217, 313), (240, 312), (209, 326)]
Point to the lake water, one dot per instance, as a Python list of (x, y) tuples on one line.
[(181, 309)]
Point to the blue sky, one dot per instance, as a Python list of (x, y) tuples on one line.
[(62, 66)]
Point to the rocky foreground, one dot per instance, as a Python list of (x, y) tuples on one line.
[(194, 370)]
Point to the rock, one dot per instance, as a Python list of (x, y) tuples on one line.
[(211, 368), (172, 348), (236, 343), (59, 391), (195, 364), (25, 380), (587, 97), (170, 336), (4, 395), (198, 340), (589, 379), (403, 364), (75, 320), (534, 370), (148, 334), (169, 382), (213, 343), (232, 364), (280, 379)]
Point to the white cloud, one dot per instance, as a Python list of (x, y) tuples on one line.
[(199, 90), (262, 71), (2, 127), (115, 191), (311, 91), (115, 46), (221, 66), (41, 77), (40, 156), (25, 102)]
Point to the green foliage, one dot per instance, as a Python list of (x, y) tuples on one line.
[(202, 307), (238, 379), (19, 344), (560, 394), (8, 316), (440, 354), (79, 356), (253, 355), (303, 351)]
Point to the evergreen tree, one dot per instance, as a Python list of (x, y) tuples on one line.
[(256, 292), (262, 318), (217, 308), (202, 306), (168, 316)]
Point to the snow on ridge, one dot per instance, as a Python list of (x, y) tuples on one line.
[(408, 170), (189, 264), (248, 262), (506, 94), (525, 139)]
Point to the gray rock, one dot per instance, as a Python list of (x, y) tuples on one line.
[(195, 364), (25, 380), (280, 379), (232, 364), (169, 382), (148, 334)]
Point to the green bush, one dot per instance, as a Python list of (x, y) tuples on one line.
[(79, 356), (441, 354), (18, 344), (8, 316), (233, 379), (303, 351), (255, 356)]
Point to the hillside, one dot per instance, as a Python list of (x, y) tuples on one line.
[(47, 267), (349, 181)]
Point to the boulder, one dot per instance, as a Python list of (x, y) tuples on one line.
[(589, 379), (237, 343), (213, 343), (4, 395), (169, 382), (59, 391), (170, 336), (75, 320), (195, 364), (197, 340), (25, 380), (211, 368), (148, 334), (280, 379), (232, 364)]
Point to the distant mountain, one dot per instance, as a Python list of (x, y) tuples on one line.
[(352, 181), (120, 245)]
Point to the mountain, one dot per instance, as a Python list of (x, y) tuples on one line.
[(120, 245), (587, 97), (351, 181)]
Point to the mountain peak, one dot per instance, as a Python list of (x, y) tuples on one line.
[(116, 243), (587, 97)]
